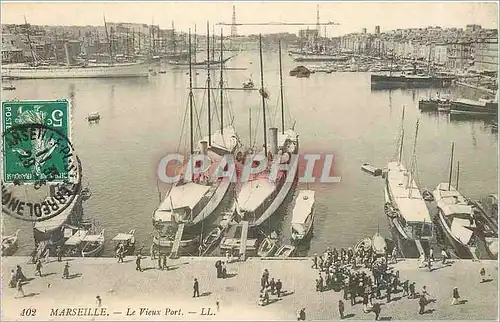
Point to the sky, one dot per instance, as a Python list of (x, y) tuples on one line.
[(352, 16)]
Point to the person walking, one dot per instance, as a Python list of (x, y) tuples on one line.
[(20, 288), (98, 301), (66, 271), (405, 288), (38, 268), (272, 285), (165, 266), (412, 291), (482, 273), (388, 293), (196, 288), (365, 303), (444, 256), (279, 286), (376, 309), (421, 303), (59, 253), (138, 263), (160, 256), (301, 315), (431, 254), (456, 296), (341, 309), (315, 261)]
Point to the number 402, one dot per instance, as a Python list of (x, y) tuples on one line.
[(28, 312)]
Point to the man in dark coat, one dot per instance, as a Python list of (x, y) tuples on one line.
[(388, 294), (412, 291), (376, 309), (196, 288), (422, 302), (218, 266), (272, 285), (405, 288), (138, 263), (279, 285), (341, 309)]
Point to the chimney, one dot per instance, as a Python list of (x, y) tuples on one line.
[(273, 140), (204, 147)]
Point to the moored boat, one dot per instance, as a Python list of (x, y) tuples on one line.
[(285, 251), (368, 168), (260, 196), (9, 243), (462, 223), (405, 207), (267, 247), (363, 245), (379, 244), (194, 198), (126, 242), (303, 215), (480, 107)]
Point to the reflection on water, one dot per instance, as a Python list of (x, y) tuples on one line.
[(337, 113)]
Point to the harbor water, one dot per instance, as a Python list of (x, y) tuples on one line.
[(141, 121)]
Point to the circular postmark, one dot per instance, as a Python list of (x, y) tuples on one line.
[(41, 172)]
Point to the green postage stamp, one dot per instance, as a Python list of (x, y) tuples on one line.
[(37, 158)]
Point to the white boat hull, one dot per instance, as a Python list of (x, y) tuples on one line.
[(51, 72)]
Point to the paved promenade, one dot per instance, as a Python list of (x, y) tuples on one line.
[(123, 289)]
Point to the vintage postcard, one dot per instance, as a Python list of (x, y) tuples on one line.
[(249, 161)]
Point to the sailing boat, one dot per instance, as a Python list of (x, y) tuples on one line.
[(40, 70), (259, 198), (460, 220), (210, 61), (192, 200), (406, 209)]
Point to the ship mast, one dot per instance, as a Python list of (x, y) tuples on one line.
[(109, 41), (458, 173), (191, 140), (221, 85), (413, 162), (263, 94), (402, 137), (451, 165), (208, 86), (29, 42), (281, 92)]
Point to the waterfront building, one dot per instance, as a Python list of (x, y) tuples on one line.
[(486, 55)]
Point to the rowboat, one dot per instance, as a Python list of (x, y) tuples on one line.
[(374, 171), (379, 245), (9, 244), (81, 243), (285, 251), (303, 215), (363, 244), (267, 247)]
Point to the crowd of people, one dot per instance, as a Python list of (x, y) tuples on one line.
[(364, 275)]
